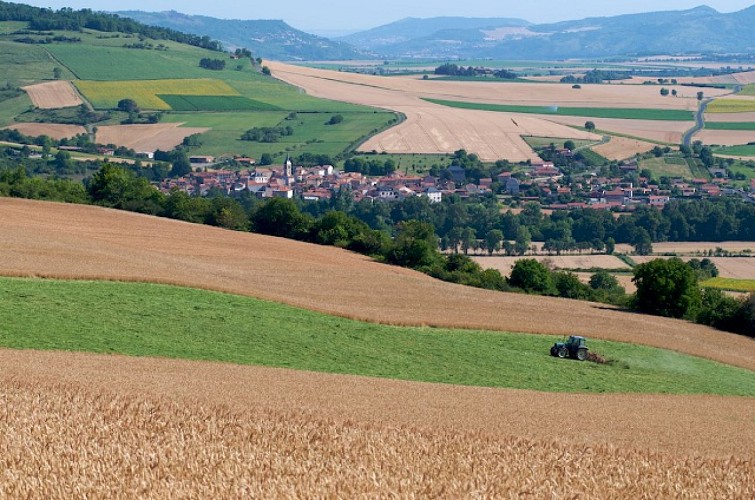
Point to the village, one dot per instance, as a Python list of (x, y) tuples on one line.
[(540, 182)]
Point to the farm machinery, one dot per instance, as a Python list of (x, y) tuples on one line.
[(574, 347)]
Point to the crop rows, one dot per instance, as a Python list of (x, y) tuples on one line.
[(732, 106), (145, 92), (214, 103), (622, 113), (730, 125)]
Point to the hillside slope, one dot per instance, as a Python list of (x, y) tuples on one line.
[(698, 30), (71, 241), (270, 39)]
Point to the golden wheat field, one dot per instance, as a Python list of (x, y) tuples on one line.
[(693, 248), (505, 264), (53, 95), (163, 136), (621, 148), (74, 241), (76, 425)]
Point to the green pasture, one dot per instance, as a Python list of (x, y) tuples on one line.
[(730, 125), (742, 150), (748, 90), (214, 103), (162, 321), (311, 134), (667, 167), (623, 113), (11, 108), (24, 64)]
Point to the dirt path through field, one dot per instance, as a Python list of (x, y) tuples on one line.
[(82, 242)]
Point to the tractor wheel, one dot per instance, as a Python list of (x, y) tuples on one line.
[(563, 352), (553, 351), (582, 354)]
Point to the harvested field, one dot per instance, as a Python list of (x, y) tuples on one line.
[(53, 95), (505, 264), (654, 130), (163, 136), (53, 130), (621, 148), (726, 137), (730, 117), (72, 241), (728, 267), (692, 247)]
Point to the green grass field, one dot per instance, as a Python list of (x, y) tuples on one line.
[(310, 132), (732, 284), (11, 108), (748, 89), (730, 125), (667, 167), (214, 103), (155, 320), (743, 150), (23, 64), (624, 113)]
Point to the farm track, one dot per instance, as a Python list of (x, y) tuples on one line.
[(108, 426), (82, 242)]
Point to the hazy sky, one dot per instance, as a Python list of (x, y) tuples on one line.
[(353, 15)]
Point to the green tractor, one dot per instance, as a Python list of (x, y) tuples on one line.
[(575, 347)]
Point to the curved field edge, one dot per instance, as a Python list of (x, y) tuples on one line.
[(625, 422), (84, 242), (157, 320)]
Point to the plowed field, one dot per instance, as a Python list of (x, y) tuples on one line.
[(107, 426), (53, 95), (71, 241)]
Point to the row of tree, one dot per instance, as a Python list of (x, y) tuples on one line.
[(68, 19), (664, 287)]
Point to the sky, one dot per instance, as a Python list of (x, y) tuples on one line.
[(355, 15)]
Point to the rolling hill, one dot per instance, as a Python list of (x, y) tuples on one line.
[(69, 241), (694, 31), (269, 39)]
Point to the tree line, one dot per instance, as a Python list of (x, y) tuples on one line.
[(67, 19), (662, 288)]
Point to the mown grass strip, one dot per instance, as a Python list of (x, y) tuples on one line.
[(730, 125), (155, 320), (731, 284), (628, 113), (214, 103)]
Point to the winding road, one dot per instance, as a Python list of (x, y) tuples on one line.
[(700, 118)]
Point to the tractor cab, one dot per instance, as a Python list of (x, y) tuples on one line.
[(574, 347)]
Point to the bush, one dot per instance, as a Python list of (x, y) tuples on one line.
[(532, 277)]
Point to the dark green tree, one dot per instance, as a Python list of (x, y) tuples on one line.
[(532, 277), (415, 246), (667, 287), (128, 106), (493, 240), (281, 217), (589, 126), (117, 187)]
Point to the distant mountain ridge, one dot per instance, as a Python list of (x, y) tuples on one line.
[(698, 30), (270, 39)]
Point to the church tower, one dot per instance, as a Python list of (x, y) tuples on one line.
[(288, 172)]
